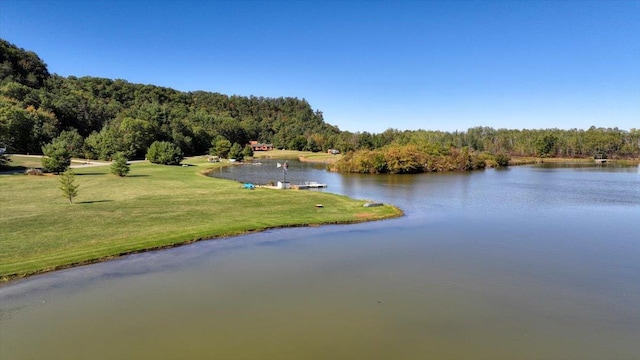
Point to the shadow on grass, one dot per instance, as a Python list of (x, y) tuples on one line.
[(104, 173), (94, 201)]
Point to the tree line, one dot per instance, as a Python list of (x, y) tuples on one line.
[(395, 151), (100, 117), (97, 118)]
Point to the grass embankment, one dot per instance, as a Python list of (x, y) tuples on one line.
[(527, 160), (308, 156), (154, 207)]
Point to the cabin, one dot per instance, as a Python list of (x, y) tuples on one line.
[(256, 146)]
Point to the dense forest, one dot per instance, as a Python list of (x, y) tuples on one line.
[(96, 118)]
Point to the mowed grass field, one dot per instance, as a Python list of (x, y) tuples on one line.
[(300, 155), (155, 206)]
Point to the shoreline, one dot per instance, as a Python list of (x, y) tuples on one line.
[(530, 160), (318, 160), (195, 161), (80, 245), (7, 279)]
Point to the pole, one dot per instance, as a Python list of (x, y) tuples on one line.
[(285, 166)]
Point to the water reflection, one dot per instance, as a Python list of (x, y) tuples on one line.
[(612, 166)]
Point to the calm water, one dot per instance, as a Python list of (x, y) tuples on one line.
[(524, 263)]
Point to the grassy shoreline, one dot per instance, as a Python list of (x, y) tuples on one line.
[(304, 156), (156, 207), (529, 160)]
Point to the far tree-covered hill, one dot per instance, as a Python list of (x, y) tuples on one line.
[(97, 117), (115, 115)]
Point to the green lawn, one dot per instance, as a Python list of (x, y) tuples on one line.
[(294, 154), (19, 162), (155, 206)]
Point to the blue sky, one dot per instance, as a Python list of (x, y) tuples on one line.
[(367, 65)]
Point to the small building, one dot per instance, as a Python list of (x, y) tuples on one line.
[(284, 185), (257, 146)]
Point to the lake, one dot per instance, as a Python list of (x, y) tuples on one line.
[(529, 262)]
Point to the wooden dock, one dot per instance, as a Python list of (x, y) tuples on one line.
[(309, 185), (600, 159)]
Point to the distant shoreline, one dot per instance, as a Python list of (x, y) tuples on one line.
[(524, 160)]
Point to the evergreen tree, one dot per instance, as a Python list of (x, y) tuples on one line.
[(57, 157), (222, 147), (69, 189), (247, 152), (119, 165), (236, 152)]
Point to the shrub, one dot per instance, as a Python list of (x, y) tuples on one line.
[(4, 161), (502, 159), (166, 153)]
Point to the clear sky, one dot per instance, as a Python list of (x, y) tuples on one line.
[(367, 65)]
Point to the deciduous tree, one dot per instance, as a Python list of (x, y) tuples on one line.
[(163, 152)]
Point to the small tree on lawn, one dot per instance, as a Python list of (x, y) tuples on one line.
[(69, 189), (119, 165)]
